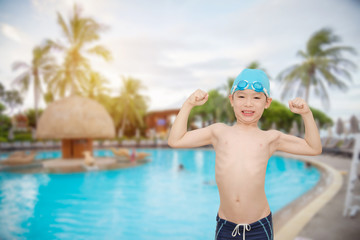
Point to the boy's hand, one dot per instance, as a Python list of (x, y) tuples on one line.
[(299, 106), (198, 98)]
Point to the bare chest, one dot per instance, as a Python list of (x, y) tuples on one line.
[(233, 144)]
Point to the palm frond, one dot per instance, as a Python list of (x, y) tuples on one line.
[(343, 62), (101, 51), (90, 31), (302, 54), (288, 89), (302, 87), (337, 51), (321, 91), (18, 64), (23, 81), (54, 45), (64, 27), (341, 72), (281, 76), (320, 38), (332, 80)]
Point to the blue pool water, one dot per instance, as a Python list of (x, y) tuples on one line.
[(152, 201)]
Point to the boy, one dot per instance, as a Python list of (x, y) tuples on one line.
[(242, 153)]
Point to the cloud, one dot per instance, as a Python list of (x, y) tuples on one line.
[(94, 8), (11, 32)]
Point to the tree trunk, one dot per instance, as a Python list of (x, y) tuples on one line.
[(123, 124), (36, 99)]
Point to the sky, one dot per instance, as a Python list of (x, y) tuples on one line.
[(176, 47)]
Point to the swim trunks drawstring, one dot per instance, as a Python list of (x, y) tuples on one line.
[(236, 230)]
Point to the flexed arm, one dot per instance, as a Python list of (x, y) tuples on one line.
[(179, 136), (311, 144)]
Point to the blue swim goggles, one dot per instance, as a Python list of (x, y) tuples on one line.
[(256, 86)]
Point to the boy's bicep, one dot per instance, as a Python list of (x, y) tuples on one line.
[(292, 144), (195, 138)]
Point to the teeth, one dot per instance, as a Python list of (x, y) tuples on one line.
[(247, 111)]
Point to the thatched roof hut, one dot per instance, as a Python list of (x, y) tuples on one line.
[(76, 120)]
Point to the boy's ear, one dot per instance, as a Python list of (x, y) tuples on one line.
[(268, 102), (231, 99)]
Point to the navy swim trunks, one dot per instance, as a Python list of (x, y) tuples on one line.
[(260, 230)]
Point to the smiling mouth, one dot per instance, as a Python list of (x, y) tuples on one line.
[(248, 113)]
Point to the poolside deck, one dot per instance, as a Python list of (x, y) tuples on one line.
[(327, 221), (60, 165)]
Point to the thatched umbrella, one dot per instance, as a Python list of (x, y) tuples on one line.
[(340, 127), (76, 120), (354, 124)]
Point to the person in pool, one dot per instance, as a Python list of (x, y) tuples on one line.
[(242, 153)]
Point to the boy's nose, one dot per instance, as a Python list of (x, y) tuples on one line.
[(248, 102)]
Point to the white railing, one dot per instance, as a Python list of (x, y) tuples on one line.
[(352, 201)]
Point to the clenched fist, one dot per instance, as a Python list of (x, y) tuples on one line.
[(299, 106), (199, 97)]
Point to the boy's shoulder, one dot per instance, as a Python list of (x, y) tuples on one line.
[(217, 128), (272, 133), (219, 125)]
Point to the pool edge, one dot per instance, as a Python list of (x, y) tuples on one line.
[(293, 219)]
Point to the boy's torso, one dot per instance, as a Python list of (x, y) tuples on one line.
[(241, 160)]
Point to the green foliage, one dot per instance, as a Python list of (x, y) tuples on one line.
[(31, 116), (5, 125), (129, 108), (216, 109), (2, 90), (95, 86), (22, 136), (279, 114), (48, 97), (283, 118), (323, 120), (5, 122), (12, 98), (2, 108)]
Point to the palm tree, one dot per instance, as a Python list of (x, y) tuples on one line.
[(41, 66), (323, 64), (80, 33), (131, 104), (94, 87)]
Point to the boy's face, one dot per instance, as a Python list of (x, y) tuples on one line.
[(249, 105)]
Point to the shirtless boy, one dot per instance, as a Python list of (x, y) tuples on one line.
[(242, 153)]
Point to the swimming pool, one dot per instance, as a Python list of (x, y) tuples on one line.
[(152, 201)]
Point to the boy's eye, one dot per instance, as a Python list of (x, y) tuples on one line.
[(257, 97), (240, 96)]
